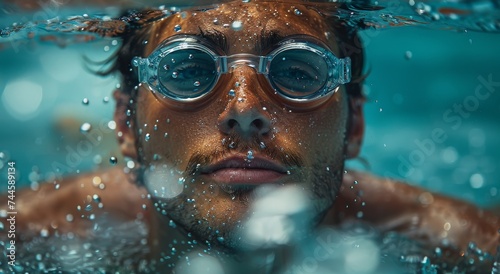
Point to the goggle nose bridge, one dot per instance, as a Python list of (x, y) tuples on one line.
[(229, 63)]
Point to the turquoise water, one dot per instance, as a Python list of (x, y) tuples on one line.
[(414, 132)]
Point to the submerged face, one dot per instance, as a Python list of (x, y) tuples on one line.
[(203, 160)]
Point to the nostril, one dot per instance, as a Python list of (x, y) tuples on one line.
[(231, 123), (258, 123)]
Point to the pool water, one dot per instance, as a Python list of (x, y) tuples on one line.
[(419, 74)]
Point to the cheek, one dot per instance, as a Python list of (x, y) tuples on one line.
[(323, 132), (170, 136)]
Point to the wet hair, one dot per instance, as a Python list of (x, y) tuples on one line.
[(138, 30)]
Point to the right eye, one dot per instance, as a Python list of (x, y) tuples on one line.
[(187, 73)]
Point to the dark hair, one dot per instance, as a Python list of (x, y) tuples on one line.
[(136, 34)]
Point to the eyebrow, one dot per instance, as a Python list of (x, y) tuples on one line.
[(265, 40), (268, 39), (215, 37)]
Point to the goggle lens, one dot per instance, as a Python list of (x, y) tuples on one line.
[(187, 73), (298, 73)]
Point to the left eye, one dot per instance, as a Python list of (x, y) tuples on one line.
[(295, 73), (298, 73)]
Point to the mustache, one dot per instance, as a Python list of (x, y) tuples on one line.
[(235, 144)]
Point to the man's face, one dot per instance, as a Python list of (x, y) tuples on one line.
[(203, 160)]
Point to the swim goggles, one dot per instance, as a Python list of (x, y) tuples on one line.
[(186, 68)]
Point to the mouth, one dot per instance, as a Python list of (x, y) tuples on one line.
[(238, 170)]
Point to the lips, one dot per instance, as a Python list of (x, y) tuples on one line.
[(238, 170)]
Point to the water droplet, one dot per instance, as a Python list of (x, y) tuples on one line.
[(128, 112), (147, 137), (177, 28), (85, 101), (297, 12), (85, 127), (245, 1), (262, 145), (359, 215), (237, 84), (44, 233), (105, 99), (175, 74), (91, 216), (237, 25), (165, 135), (408, 55), (69, 218), (438, 252), (220, 239), (88, 207), (196, 83), (240, 100), (190, 57), (250, 155), (113, 160), (172, 224), (232, 93), (96, 198), (216, 21)]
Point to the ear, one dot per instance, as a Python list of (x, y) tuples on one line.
[(356, 127), (124, 128)]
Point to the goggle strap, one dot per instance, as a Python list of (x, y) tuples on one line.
[(344, 70)]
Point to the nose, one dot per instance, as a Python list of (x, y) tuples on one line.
[(245, 114)]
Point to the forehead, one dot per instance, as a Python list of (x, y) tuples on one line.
[(245, 25)]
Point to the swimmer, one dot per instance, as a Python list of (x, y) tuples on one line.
[(218, 104)]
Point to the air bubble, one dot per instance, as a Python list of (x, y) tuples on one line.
[(172, 224), (408, 55), (177, 28), (175, 74), (196, 83), (85, 101), (216, 21), (147, 137), (297, 12), (237, 25), (250, 155), (85, 127), (113, 160), (232, 93), (105, 99)]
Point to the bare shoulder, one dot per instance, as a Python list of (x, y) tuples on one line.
[(70, 204), (393, 205)]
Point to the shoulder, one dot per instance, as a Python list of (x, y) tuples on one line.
[(70, 204), (393, 205)]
